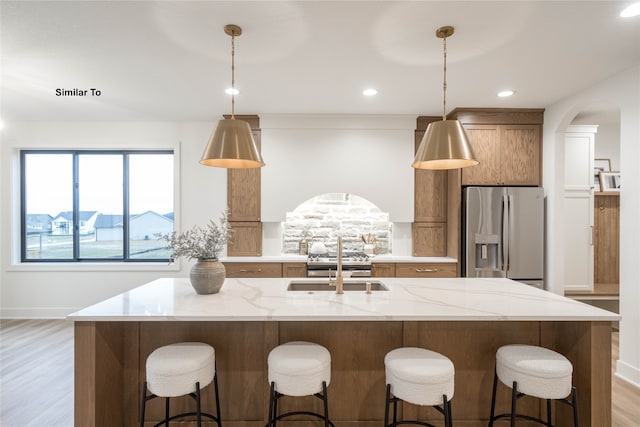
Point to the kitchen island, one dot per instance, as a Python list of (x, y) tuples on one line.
[(465, 319)]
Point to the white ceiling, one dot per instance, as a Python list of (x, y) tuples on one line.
[(171, 61)]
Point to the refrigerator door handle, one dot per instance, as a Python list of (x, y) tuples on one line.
[(510, 231), (505, 233)]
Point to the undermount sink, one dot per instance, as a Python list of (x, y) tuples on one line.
[(323, 285)]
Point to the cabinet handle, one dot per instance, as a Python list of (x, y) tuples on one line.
[(243, 270), (426, 270)]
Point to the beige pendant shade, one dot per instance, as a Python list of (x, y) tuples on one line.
[(444, 146), (232, 146)]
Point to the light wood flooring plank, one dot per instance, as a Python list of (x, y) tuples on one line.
[(36, 373), (36, 377)]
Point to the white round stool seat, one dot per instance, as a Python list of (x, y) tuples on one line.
[(298, 368), (174, 370), (539, 372), (419, 376)]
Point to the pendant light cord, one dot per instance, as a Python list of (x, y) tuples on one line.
[(233, 76), (444, 83)]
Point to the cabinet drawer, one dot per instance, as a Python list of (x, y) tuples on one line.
[(426, 270), (253, 269)]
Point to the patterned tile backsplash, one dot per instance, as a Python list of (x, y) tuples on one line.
[(327, 216)]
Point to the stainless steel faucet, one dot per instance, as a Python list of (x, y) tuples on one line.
[(338, 282)]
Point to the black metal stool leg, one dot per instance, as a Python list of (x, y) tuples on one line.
[(514, 399), (395, 411), (215, 386), (386, 406), (166, 411), (271, 415), (574, 401), (198, 406), (326, 404), (144, 403), (446, 411), (549, 413), (493, 398)]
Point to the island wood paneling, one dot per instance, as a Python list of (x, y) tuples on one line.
[(31, 347), (106, 387), (586, 345)]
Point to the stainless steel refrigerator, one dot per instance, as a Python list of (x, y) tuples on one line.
[(503, 233)]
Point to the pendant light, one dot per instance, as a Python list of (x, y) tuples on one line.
[(445, 144), (231, 144)]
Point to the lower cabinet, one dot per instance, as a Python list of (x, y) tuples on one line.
[(378, 269), (253, 269), (414, 269), (383, 269), (426, 270), (294, 269)]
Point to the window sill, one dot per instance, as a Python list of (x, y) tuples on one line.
[(94, 266)]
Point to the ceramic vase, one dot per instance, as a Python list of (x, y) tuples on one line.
[(207, 276)]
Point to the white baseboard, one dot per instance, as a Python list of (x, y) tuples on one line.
[(628, 373), (36, 313)]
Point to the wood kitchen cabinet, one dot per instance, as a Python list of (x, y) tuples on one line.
[(430, 189), (244, 201), (294, 269), (506, 142), (429, 238), (426, 270), (246, 239), (243, 190), (606, 242), (253, 269), (436, 205), (383, 269)]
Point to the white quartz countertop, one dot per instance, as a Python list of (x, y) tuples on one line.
[(408, 299), (374, 259)]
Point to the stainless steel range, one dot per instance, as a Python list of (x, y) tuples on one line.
[(354, 264)]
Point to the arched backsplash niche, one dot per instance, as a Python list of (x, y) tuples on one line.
[(325, 217)]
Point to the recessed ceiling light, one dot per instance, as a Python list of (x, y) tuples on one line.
[(631, 11), (369, 92), (505, 93), (232, 91)]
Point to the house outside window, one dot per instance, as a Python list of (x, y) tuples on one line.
[(107, 206)]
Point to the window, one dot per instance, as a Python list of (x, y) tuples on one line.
[(95, 205)]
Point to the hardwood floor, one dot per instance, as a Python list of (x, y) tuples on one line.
[(36, 373), (36, 377)]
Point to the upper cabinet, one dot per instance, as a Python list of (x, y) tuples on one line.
[(435, 229), (243, 185), (507, 143), (244, 201)]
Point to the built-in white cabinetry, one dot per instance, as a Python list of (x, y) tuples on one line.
[(579, 145)]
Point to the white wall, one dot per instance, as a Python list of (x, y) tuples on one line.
[(53, 290), (608, 144), (623, 90), (368, 156)]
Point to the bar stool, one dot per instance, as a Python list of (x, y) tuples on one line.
[(533, 371), (177, 370), (420, 377), (298, 368)]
